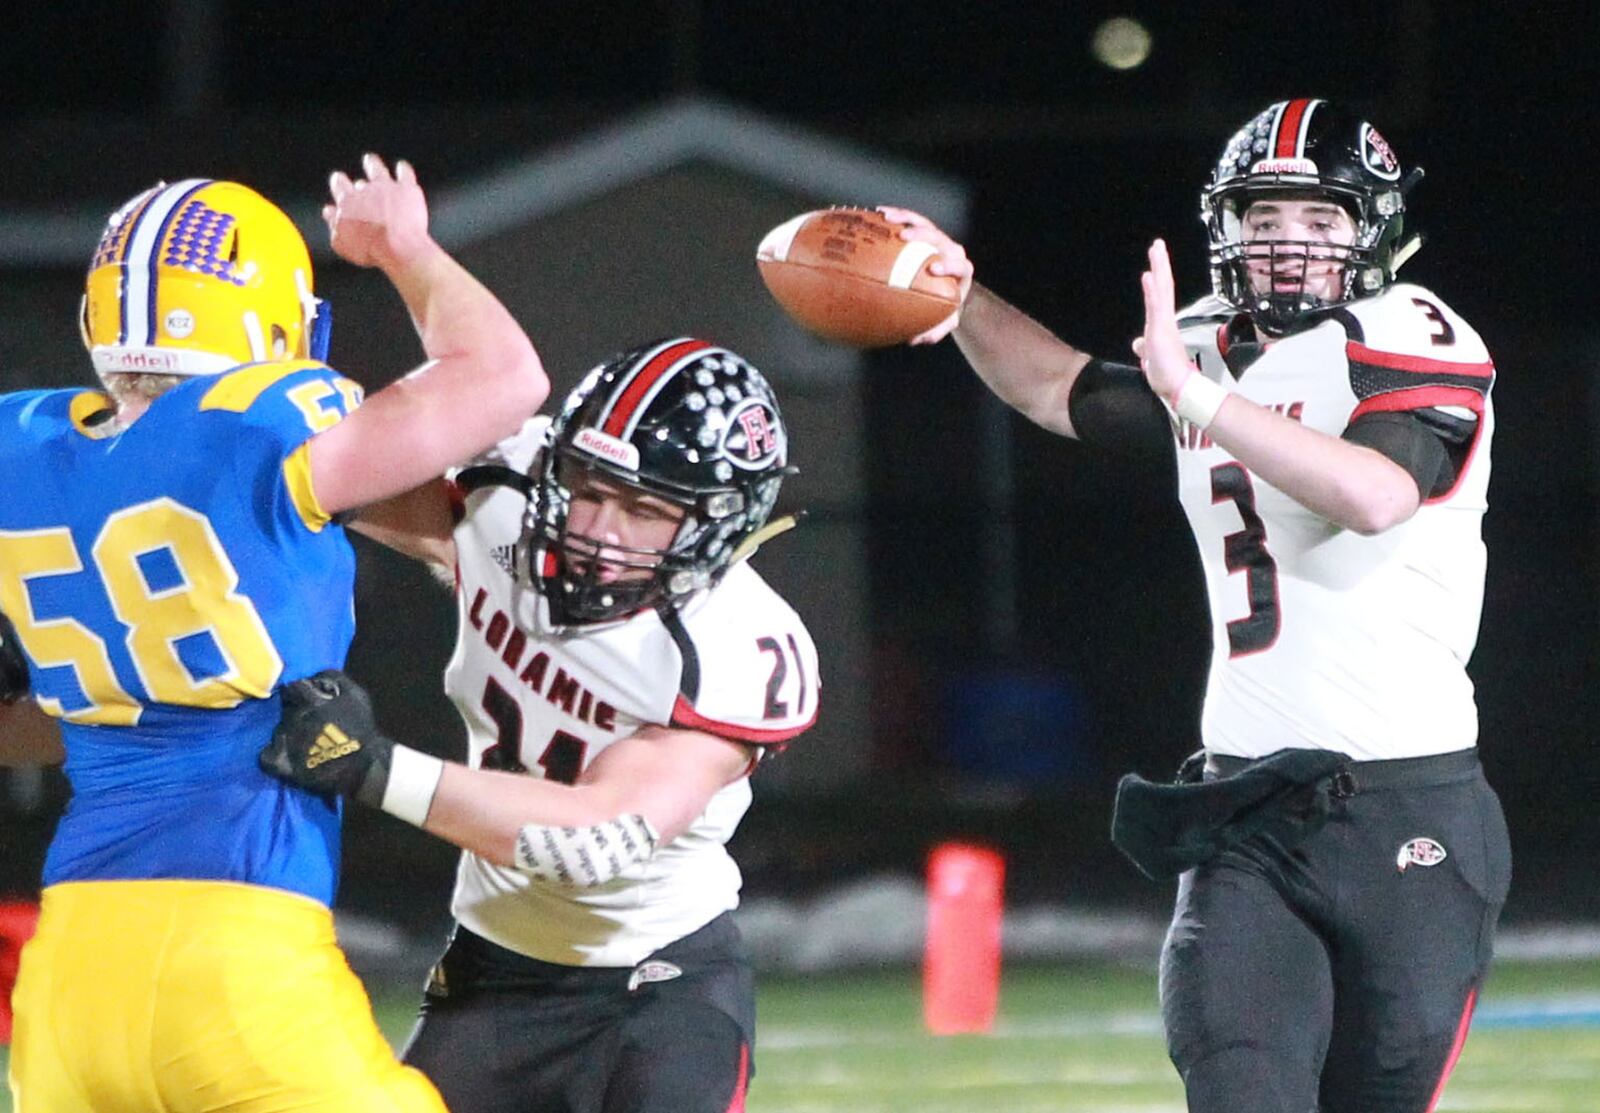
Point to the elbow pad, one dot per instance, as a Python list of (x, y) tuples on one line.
[(583, 857)]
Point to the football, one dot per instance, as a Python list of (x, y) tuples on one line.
[(846, 275)]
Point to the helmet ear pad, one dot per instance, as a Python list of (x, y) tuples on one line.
[(680, 419)]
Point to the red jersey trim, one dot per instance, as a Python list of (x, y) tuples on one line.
[(684, 715), (458, 500), (1420, 398), (1360, 353)]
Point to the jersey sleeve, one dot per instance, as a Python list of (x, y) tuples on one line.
[(750, 669), (271, 411), (1412, 357), (1409, 351)]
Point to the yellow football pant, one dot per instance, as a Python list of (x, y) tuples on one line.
[(197, 996)]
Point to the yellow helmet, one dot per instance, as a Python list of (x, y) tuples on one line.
[(196, 278)]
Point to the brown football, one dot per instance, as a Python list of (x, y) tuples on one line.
[(846, 275)]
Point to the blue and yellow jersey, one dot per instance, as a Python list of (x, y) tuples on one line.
[(164, 580)]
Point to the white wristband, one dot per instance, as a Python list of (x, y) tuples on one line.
[(413, 779), (1199, 399)]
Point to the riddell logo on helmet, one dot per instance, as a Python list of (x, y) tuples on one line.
[(1284, 166), (607, 447), (139, 359)]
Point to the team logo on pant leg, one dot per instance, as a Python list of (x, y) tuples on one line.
[(1420, 852), (653, 970)]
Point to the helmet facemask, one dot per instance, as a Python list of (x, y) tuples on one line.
[(1238, 262)]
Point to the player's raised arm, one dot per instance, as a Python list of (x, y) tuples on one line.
[(1028, 366), (482, 379)]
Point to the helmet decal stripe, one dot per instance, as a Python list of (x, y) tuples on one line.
[(1293, 124), (141, 259), (633, 396)]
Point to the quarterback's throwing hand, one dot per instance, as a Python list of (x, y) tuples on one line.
[(328, 741), (952, 261), (379, 220)]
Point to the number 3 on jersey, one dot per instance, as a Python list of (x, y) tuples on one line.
[(201, 600), (1246, 551)]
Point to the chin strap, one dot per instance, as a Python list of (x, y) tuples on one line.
[(1403, 253), (747, 548)]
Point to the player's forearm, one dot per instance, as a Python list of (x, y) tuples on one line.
[(1030, 368), (484, 811), (480, 351), (484, 380), (28, 736), (1350, 485)]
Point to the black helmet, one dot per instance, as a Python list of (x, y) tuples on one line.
[(1314, 149), (680, 419)]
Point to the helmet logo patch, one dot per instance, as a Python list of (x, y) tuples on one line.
[(1284, 166), (1376, 154), (753, 439), (607, 447), (1420, 852), (178, 323)]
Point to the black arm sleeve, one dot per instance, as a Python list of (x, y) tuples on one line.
[(1112, 407), (1429, 444)]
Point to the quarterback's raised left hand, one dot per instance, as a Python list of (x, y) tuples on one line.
[(328, 741), (1161, 351), (379, 220)]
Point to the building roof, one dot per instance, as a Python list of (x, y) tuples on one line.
[(491, 199)]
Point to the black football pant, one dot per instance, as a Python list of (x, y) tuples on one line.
[(503, 1033), (1339, 974)]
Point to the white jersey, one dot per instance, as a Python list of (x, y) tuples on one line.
[(1323, 638), (734, 661)]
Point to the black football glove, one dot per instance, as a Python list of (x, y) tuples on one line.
[(327, 740), (14, 682)]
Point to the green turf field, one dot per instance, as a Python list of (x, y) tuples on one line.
[(1071, 1039)]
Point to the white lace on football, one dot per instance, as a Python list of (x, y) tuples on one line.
[(583, 857)]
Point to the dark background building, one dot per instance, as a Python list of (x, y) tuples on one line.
[(1027, 621)]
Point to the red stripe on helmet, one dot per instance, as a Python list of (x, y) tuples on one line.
[(643, 379), (1288, 145)]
